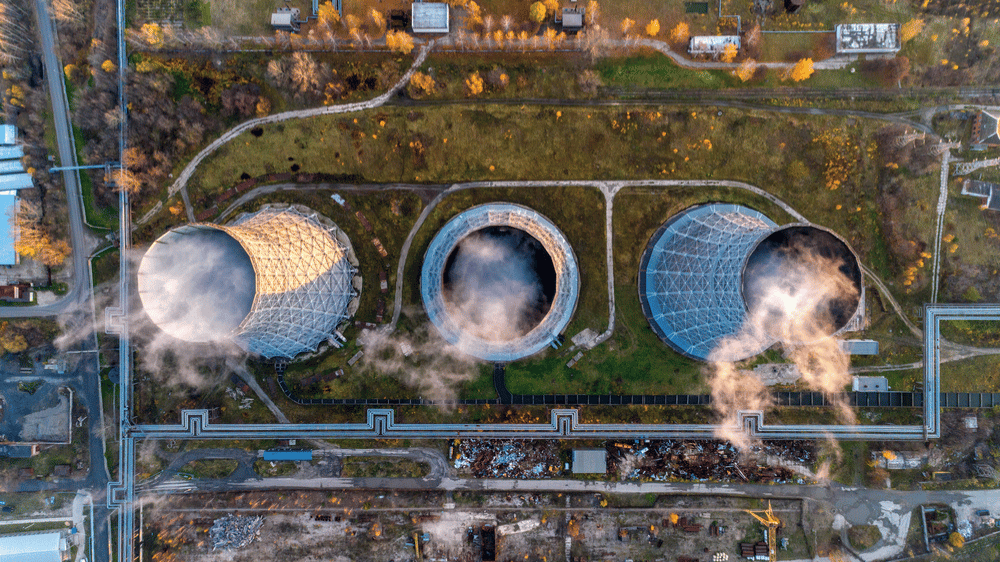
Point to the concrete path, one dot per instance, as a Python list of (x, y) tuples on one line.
[(181, 182), (941, 206)]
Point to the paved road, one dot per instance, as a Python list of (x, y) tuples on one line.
[(78, 300)]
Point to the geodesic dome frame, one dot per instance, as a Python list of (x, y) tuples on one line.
[(305, 273), (541, 229), (690, 276)]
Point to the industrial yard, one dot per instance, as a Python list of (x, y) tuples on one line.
[(356, 525)]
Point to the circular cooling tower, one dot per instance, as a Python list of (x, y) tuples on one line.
[(722, 282), (811, 267), (689, 276), (276, 282), (499, 281)]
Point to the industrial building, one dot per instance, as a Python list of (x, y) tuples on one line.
[(711, 44), (276, 282), (13, 177), (868, 38), (986, 129), (47, 546), (703, 270), (511, 216)]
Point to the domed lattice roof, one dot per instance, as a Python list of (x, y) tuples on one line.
[(689, 276), (303, 274)]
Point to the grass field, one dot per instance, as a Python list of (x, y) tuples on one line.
[(210, 468)]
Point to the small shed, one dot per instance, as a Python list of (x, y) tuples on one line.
[(430, 17), (572, 18), (870, 384), (285, 19), (8, 134), (859, 347), (590, 461), (711, 44), (868, 38), (288, 455)]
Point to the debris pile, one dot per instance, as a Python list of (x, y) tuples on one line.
[(507, 458), (235, 531), (709, 460)]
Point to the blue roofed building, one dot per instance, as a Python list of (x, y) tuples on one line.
[(8, 208), (32, 547), (10, 182), (8, 134)]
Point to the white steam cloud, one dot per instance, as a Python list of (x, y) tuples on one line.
[(795, 302)]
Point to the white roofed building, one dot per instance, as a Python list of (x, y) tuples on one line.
[(711, 44), (870, 38), (32, 547), (430, 17)]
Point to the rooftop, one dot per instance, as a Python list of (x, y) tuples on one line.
[(32, 547), (590, 461), (8, 134), (868, 38), (711, 44), (430, 17)]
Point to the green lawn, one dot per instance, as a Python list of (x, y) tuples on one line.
[(654, 70)]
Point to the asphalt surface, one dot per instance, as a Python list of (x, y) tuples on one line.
[(77, 303)]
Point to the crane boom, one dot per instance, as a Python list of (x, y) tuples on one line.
[(768, 519)]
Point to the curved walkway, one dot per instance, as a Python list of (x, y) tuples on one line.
[(181, 182)]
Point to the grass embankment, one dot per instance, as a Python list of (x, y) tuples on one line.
[(378, 467), (210, 468)]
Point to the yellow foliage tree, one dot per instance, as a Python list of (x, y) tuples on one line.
[(11, 341), (910, 29), (626, 25), (421, 83), (124, 180), (109, 66), (729, 53), (802, 70), (328, 13), (593, 10), (378, 21), (69, 70), (674, 518), (680, 32), (399, 41), (263, 106), (653, 28), (474, 84), (536, 12), (956, 540), (33, 240), (152, 34), (551, 5)]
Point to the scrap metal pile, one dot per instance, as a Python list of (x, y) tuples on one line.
[(709, 460), (508, 458), (235, 531)]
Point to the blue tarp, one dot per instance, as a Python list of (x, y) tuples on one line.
[(8, 206), (288, 455)]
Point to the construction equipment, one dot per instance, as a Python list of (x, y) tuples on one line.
[(768, 519)]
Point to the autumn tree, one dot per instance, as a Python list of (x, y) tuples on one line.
[(956, 539), (124, 180), (378, 21), (729, 53), (152, 34), (399, 41), (746, 70), (626, 25), (536, 12), (328, 13), (552, 5), (474, 85), (802, 70), (910, 29), (680, 33), (593, 11), (653, 28), (421, 84), (109, 66), (10, 340), (34, 240)]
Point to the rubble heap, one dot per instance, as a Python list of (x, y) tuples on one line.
[(708, 460), (508, 458), (234, 531)]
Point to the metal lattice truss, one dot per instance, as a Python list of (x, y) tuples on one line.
[(305, 280), (690, 277), (540, 228)]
